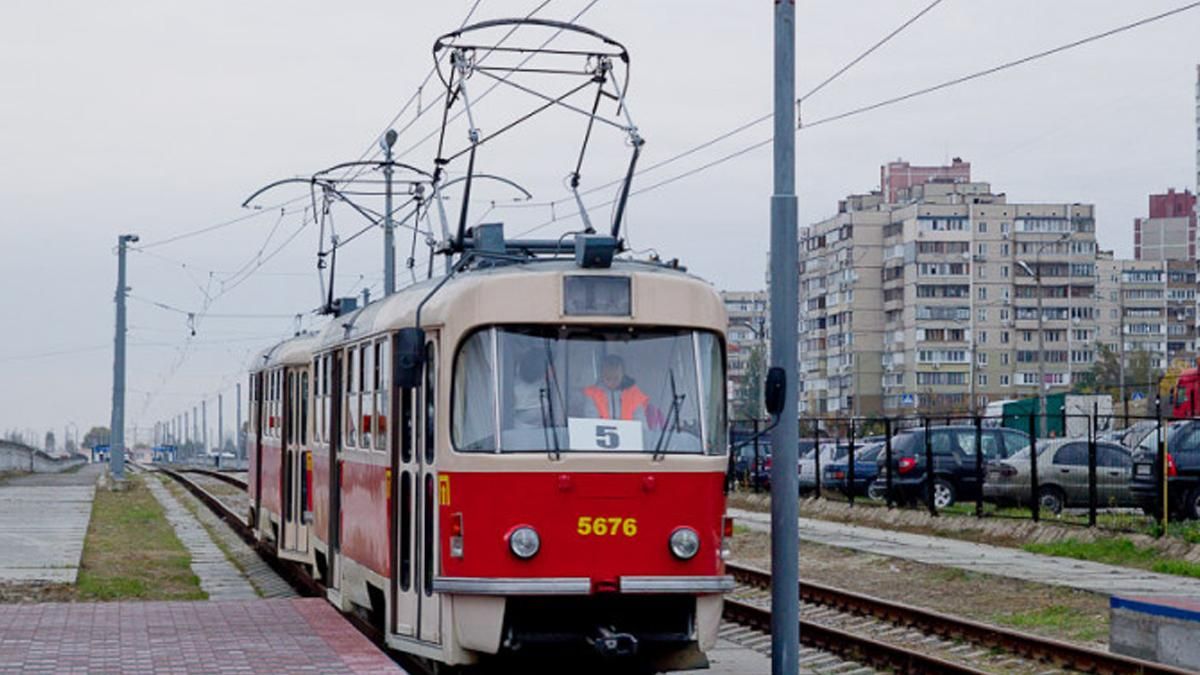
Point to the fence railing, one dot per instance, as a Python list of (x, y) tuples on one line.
[(1127, 472)]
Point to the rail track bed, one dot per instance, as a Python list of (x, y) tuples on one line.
[(904, 638)]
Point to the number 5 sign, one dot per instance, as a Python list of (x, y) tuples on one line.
[(600, 435)]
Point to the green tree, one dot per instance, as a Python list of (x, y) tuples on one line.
[(96, 436), (749, 404)]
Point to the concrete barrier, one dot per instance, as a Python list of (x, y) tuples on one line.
[(21, 457), (1165, 630)]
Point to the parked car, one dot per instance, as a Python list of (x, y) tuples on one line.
[(836, 476), (1063, 476), (1183, 470), (814, 460), (745, 468), (954, 471), (764, 473)]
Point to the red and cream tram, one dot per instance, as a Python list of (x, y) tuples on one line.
[(520, 453)]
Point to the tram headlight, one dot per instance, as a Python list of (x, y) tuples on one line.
[(524, 542), (685, 543)]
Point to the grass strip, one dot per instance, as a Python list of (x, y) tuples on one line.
[(131, 551)]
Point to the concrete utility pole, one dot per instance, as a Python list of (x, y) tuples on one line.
[(117, 422), (785, 535), (237, 434), (220, 422), (389, 228), (204, 425)]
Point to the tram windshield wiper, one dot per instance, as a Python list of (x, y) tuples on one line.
[(547, 406), (671, 424)]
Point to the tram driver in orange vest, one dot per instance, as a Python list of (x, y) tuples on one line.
[(615, 396)]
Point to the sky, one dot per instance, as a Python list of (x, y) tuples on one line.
[(160, 118)]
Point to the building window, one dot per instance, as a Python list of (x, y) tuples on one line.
[(981, 293), (983, 380), (1003, 337), (981, 315), (982, 226), (1003, 380), (1004, 271), (983, 337), (981, 358), (1004, 358)]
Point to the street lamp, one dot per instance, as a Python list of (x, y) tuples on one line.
[(1037, 277)]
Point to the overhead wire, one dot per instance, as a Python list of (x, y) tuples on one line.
[(875, 106)]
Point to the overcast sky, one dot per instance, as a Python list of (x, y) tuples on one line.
[(160, 117)]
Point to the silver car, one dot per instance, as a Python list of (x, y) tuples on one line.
[(829, 454), (1063, 476)]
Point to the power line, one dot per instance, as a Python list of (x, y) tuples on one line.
[(863, 109), (216, 226), (868, 52), (1003, 66)]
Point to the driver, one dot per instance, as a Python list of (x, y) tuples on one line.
[(615, 395)]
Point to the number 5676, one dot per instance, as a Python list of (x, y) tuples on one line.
[(600, 526)]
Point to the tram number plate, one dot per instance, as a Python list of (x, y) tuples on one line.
[(600, 526), (587, 433)]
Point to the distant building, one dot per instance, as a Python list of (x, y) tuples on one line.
[(896, 179), (1169, 233), (747, 330)]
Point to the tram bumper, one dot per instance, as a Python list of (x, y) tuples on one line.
[(666, 619)]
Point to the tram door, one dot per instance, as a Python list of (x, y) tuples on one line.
[(297, 465), (416, 611), (334, 425)]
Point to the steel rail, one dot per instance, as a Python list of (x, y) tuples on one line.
[(849, 645), (221, 476), (1056, 652)]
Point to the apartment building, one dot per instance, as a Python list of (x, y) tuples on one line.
[(1169, 233), (747, 330), (944, 300)]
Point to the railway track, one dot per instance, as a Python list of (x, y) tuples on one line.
[(912, 639)]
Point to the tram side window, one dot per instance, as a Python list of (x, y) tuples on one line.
[(251, 424), (325, 403), (365, 397), (430, 401), (382, 399), (316, 400), (474, 400), (712, 383), (303, 408), (351, 398)]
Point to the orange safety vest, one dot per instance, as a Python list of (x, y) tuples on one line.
[(632, 398)]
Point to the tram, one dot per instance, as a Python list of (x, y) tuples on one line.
[(529, 451)]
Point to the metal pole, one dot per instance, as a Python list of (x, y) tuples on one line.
[(785, 508), (241, 439), (1041, 347), (389, 231), (204, 425), (117, 422), (220, 422)]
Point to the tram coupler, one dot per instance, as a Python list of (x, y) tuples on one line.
[(612, 644)]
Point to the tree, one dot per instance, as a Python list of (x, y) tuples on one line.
[(96, 436), (750, 390)]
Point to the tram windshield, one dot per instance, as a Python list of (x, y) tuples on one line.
[(589, 389)]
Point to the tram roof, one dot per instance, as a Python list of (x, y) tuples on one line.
[(399, 309)]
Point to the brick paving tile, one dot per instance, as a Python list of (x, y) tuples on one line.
[(302, 635)]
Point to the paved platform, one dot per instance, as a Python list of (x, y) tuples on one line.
[(985, 558), (303, 635), (43, 521), (218, 577)]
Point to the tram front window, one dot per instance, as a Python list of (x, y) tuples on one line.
[(523, 389)]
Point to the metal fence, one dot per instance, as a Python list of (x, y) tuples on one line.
[(1124, 472)]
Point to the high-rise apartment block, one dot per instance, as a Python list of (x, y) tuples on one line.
[(1169, 233), (747, 331), (932, 303), (942, 295), (897, 179)]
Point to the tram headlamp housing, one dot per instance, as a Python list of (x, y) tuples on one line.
[(685, 543), (524, 542)]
